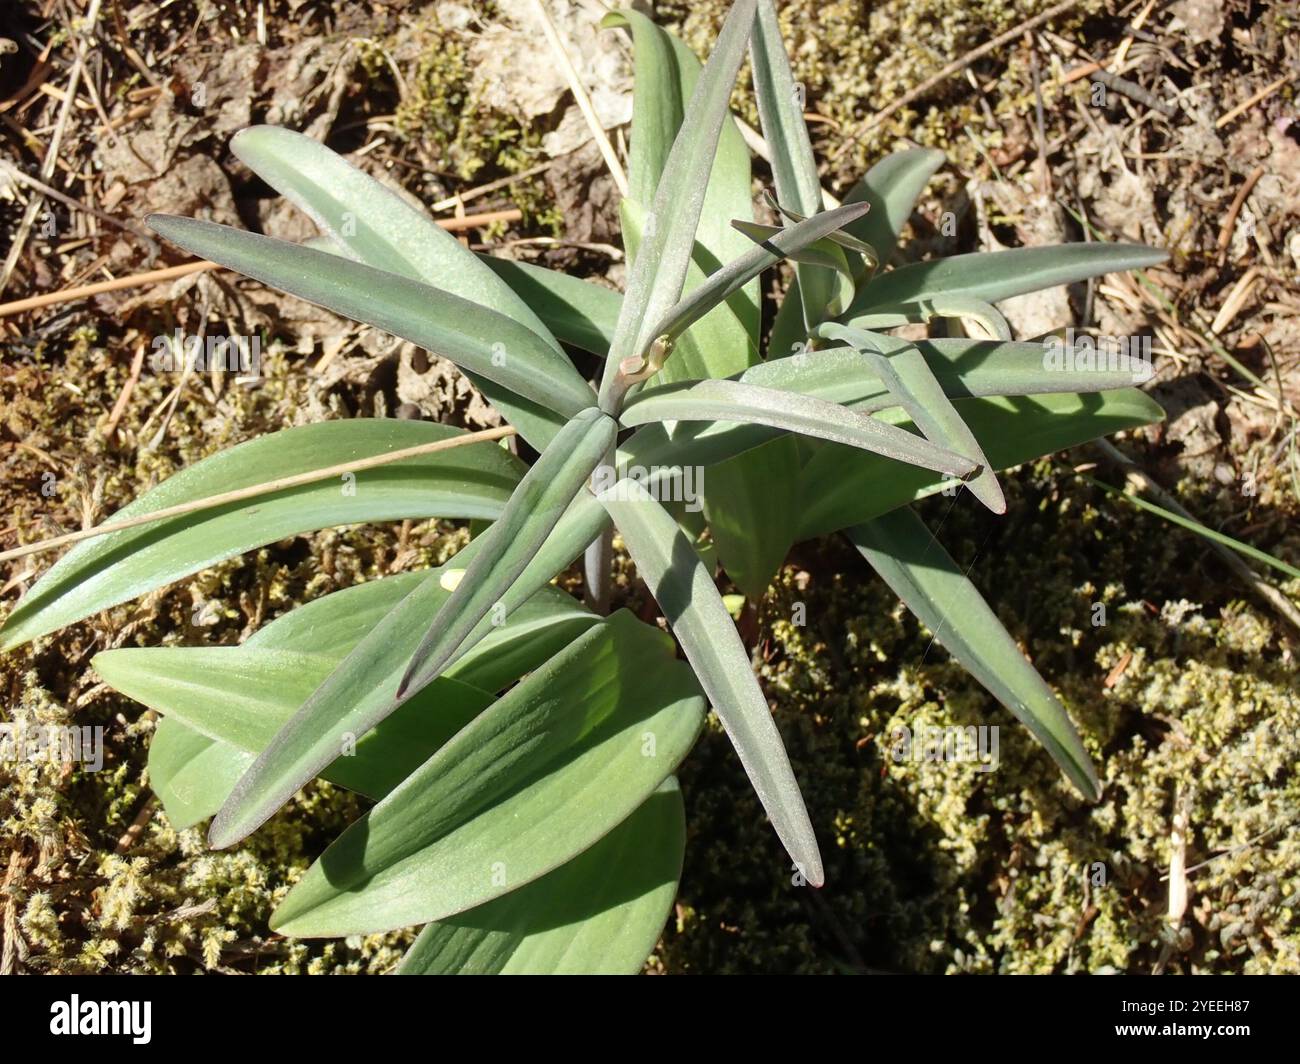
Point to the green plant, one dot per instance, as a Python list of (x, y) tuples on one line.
[(519, 745)]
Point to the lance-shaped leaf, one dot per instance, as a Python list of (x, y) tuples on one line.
[(769, 250), (373, 225), (691, 603), (665, 76), (965, 368), (905, 372), (578, 312), (914, 564), (362, 689), (195, 766), (892, 188), (477, 339), (794, 168), (997, 275), (554, 481), (545, 772), (599, 914), (844, 486), (727, 400), (473, 481), (222, 705), (668, 237)]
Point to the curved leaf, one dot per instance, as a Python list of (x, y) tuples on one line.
[(732, 401), (691, 603), (843, 486), (599, 914), (541, 775), (892, 188), (914, 564), (473, 481), (477, 339)]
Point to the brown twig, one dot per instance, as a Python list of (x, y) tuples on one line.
[(256, 490), (1230, 222), (1263, 93)]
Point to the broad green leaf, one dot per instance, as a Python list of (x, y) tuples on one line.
[(472, 481), (691, 603), (477, 339), (242, 696), (193, 774), (599, 914), (535, 508), (843, 486), (892, 188), (997, 275), (578, 312), (362, 689), (914, 564), (190, 773), (904, 370), (659, 270), (732, 401), (750, 502), (541, 775)]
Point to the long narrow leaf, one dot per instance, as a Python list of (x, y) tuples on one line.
[(660, 267), (362, 690), (997, 275), (892, 188), (534, 509), (470, 482), (475, 338), (726, 400), (691, 603), (914, 564), (905, 371)]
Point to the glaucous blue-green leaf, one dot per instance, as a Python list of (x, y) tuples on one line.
[(558, 476), (193, 773), (997, 275), (843, 486), (692, 606), (905, 372), (599, 914), (892, 188), (473, 481), (733, 401), (915, 565), (545, 772), (581, 313), (666, 74), (489, 344), (375, 226), (667, 238), (362, 689)]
